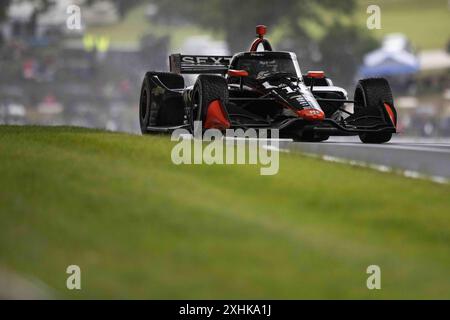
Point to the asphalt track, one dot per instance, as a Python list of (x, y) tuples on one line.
[(414, 158)]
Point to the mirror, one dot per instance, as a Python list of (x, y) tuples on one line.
[(316, 74), (237, 73)]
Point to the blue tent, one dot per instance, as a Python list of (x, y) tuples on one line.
[(394, 58)]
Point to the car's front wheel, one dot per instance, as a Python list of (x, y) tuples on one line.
[(372, 93), (207, 89)]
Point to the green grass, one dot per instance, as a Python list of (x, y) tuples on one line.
[(129, 30), (426, 23), (142, 227)]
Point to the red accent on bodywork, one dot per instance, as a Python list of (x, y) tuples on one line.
[(390, 113), (237, 73), (316, 74), (255, 44), (311, 114), (216, 117)]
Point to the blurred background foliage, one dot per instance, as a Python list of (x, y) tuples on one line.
[(292, 19), (46, 63), (69, 208)]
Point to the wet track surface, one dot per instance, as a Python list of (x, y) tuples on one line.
[(415, 158)]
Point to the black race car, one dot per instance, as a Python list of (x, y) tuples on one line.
[(263, 89)]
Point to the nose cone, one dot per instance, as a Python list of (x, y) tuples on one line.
[(311, 114)]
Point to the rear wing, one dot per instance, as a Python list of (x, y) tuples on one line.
[(198, 64)]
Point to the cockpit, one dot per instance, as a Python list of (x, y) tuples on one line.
[(260, 65)]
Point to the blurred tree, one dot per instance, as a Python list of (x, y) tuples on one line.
[(122, 5), (40, 5), (4, 5), (340, 49), (237, 18)]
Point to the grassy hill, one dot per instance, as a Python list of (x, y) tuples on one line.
[(426, 23), (141, 227)]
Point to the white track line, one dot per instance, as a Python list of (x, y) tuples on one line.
[(378, 167), (381, 168)]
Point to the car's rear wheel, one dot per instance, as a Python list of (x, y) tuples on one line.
[(150, 100), (372, 93)]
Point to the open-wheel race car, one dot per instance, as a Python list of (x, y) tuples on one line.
[(263, 89)]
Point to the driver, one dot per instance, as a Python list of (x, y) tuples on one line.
[(260, 69), (267, 67)]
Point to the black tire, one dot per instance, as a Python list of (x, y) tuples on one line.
[(148, 105), (208, 88), (369, 93)]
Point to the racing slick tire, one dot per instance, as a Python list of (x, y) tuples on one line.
[(207, 88), (149, 104), (370, 93)]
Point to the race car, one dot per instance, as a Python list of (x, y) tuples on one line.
[(263, 89)]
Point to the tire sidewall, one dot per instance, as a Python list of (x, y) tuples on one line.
[(208, 88), (370, 93), (144, 105)]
